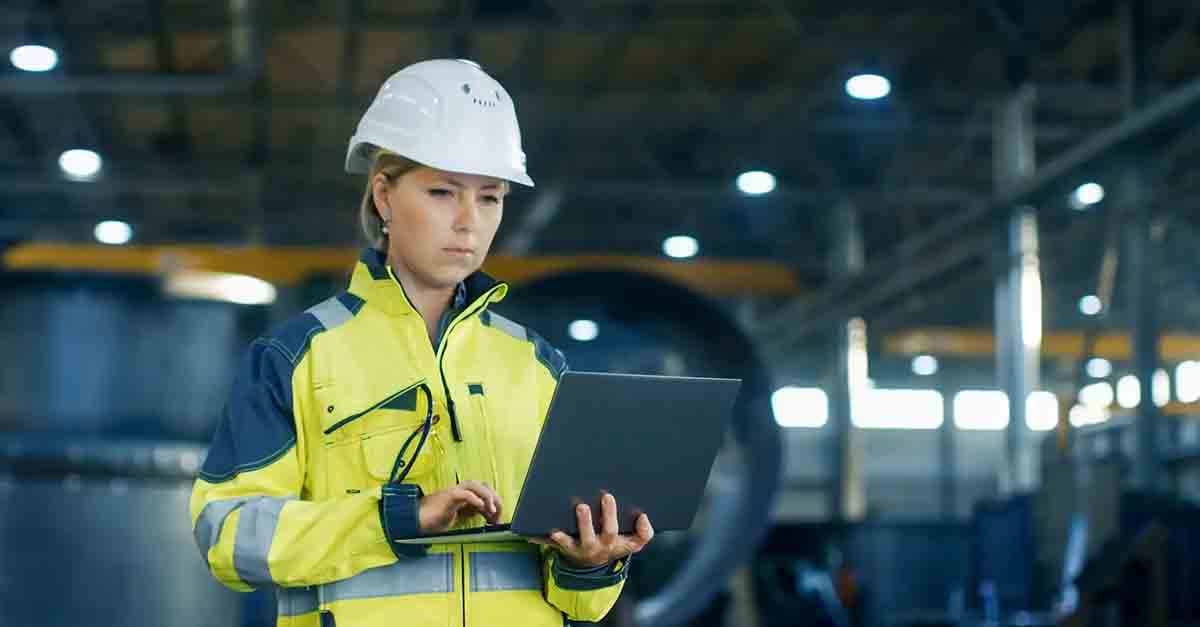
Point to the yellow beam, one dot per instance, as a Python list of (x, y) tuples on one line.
[(289, 265), (979, 343)]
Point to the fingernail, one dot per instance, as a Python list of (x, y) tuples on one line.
[(580, 508)]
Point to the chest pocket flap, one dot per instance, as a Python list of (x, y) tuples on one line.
[(387, 434)]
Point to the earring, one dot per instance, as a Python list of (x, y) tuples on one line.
[(384, 227)]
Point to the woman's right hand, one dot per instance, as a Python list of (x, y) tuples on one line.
[(442, 510)]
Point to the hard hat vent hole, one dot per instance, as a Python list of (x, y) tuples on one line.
[(466, 88)]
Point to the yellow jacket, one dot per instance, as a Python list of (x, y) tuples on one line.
[(328, 407)]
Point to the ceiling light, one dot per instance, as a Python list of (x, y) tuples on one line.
[(1099, 395), (680, 246), (800, 407), (232, 288), (756, 182), (113, 232), (1090, 305), (80, 164), (925, 365), (583, 330), (1129, 391), (1086, 195), (1099, 368), (868, 87), (33, 58)]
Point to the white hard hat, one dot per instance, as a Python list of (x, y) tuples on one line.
[(447, 114)]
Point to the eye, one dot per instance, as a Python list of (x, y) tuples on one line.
[(493, 200), (440, 193)]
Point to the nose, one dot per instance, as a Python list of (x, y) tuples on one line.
[(468, 212)]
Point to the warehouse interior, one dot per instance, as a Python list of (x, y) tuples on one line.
[(948, 246)]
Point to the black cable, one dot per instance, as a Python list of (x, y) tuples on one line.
[(424, 431)]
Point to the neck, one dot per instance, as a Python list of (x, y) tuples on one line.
[(431, 302)]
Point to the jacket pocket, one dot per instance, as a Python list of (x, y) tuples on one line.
[(479, 404), (368, 444), (400, 406), (396, 450)]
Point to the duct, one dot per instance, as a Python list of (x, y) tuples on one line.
[(245, 53), (924, 256)]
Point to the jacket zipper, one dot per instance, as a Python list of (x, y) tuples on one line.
[(441, 357), (454, 430), (463, 570)]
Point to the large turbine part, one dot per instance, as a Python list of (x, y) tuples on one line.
[(650, 326)]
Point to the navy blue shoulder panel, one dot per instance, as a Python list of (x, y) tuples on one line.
[(293, 336), (550, 357), (257, 425)]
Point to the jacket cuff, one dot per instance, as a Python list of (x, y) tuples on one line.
[(603, 576), (400, 514)]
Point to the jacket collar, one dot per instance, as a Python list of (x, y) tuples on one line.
[(373, 282)]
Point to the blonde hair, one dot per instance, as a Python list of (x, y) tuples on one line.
[(392, 166)]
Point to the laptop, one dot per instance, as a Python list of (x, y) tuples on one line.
[(649, 440)]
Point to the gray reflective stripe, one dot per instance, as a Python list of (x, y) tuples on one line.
[(208, 524), (296, 601), (508, 326), (256, 529), (494, 572), (331, 313), (431, 574)]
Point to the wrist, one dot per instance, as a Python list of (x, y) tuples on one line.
[(399, 514), (575, 564)]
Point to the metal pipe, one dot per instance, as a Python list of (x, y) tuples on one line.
[(245, 53), (800, 320)]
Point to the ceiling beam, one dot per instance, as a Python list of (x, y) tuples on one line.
[(289, 265), (966, 235)]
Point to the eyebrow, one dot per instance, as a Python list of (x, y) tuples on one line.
[(460, 185)]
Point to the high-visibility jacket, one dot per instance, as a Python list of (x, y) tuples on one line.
[(289, 496)]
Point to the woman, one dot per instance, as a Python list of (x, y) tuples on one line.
[(404, 406)]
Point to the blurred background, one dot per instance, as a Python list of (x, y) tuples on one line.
[(951, 247)]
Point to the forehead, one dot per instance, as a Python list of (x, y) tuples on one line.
[(430, 175)]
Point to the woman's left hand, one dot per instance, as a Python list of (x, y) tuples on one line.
[(592, 550)]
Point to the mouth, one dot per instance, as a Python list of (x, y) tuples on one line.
[(459, 252)]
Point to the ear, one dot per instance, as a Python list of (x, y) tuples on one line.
[(380, 186)]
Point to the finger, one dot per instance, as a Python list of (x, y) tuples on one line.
[(645, 531), (488, 494), (492, 499), (540, 541), (565, 542), (470, 499), (628, 546), (587, 530), (610, 529), (497, 506)]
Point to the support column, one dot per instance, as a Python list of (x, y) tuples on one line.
[(1018, 289), (1147, 467), (846, 495), (947, 457), (1148, 471)]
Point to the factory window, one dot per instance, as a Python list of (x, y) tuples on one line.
[(981, 410), (800, 407), (898, 409), (1187, 381), (1041, 411)]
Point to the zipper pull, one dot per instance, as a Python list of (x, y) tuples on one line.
[(453, 420)]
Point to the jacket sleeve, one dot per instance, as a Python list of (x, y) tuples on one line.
[(249, 520), (583, 595)]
